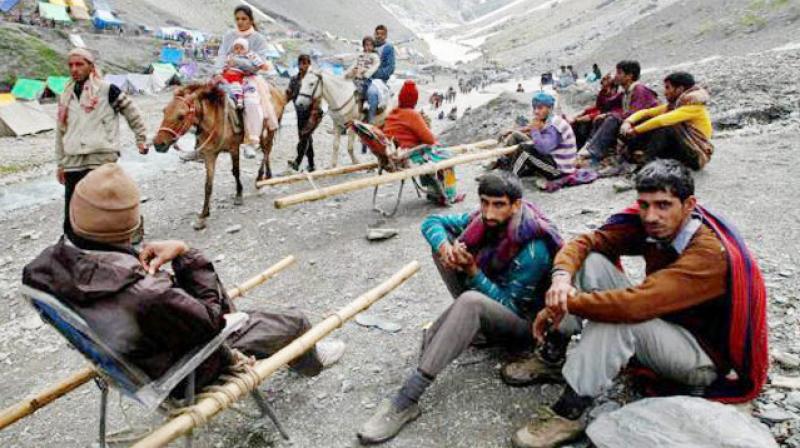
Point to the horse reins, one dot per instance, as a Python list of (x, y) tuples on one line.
[(314, 92), (188, 122)]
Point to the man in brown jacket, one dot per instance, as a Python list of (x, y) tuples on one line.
[(148, 316), (681, 322), (87, 132)]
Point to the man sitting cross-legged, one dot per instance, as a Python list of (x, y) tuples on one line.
[(150, 317), (698, 321), (495, 262)]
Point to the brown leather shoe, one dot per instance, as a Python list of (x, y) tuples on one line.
[(533, 370), (548, 430)]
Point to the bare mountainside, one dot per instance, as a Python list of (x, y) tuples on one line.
[(440, 13), (551, 32)]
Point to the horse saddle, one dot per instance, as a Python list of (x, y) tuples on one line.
[(233, 115)]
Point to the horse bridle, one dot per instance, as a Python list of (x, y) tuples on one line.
[(186, 124), (314, 93)]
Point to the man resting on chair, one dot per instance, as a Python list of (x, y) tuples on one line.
[(148, 316)]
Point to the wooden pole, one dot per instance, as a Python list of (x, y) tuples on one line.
[(207, 408), (358, 184), (460, 149), (30, 405)]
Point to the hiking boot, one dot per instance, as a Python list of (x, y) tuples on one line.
[(548, 430), (295, 166), (386, 422), (330, 351), (248, 152), (533, 370)]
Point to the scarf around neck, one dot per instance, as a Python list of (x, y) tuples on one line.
[(246, 33), (88, 100), (495, 255)]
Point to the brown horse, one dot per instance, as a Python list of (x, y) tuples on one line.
[(204, 108)]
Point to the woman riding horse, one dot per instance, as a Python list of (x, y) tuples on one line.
[(257, 105)]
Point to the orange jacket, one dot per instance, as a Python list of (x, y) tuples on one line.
[(408, 128)]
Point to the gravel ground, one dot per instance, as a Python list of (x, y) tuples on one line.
[(751, 180)]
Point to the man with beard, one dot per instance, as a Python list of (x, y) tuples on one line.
[(495, 263)]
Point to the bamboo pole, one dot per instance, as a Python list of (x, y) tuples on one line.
[(460, 149), (358, 184), (207, 408), (30, 405)]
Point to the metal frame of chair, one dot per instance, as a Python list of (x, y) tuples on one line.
[(128, 379)]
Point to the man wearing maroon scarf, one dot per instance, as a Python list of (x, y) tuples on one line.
[(697, 322), (495, 263)]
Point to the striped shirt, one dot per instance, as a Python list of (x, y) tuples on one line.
[(557, 140)]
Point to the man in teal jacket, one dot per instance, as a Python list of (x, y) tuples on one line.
[(495, 262)]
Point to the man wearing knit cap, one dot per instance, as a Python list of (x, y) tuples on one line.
[(547, 144), (404, 124), (87, 132), (148, 316)]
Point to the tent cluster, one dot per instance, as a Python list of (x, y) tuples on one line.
[(19, 118), (180, 34)]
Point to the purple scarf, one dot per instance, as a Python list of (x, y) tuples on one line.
[(527, 225)]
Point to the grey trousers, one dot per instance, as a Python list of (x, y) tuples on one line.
[(604, 350), (471, 313)]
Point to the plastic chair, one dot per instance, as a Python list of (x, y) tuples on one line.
[(128, 379)]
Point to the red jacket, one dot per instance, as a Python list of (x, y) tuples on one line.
[(408, 128)]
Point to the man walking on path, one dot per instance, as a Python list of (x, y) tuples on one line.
[(495, 263), (87, 132), (697, 322), (307, 118)]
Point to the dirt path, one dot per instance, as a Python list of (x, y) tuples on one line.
[(751, 179)]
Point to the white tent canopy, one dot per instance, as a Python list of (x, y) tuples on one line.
[(23, 118)]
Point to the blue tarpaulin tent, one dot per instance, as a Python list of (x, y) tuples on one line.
[(8, 5), (171, 55), (336, 69), (104, 19)]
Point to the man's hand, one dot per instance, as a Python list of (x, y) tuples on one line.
[(143, 148), (627, 130), (582, 119), (558, 295), (156, 254), (465, 260), (600, 117), (446, 256), (60, 176), (542, 324)]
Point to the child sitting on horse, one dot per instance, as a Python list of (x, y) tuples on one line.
[(239, 63), (363, 68)]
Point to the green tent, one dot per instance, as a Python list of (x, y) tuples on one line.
[(164, 69), (56, 84), (50, 11), (28, 89)]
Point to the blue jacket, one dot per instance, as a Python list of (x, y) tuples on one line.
[(518, 288), (386, 69)]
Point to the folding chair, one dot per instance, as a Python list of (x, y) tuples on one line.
[(115, 371)]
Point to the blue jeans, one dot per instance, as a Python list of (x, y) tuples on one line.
[(373, 98)]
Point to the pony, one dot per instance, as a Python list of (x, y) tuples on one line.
[(204, 107), (339, 93)]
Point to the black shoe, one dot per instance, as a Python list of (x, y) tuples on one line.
[(293, 165), (311, 168)]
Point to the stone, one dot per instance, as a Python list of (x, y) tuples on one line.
[(793, 400), (346, 387), (381, 234), (787, 360), (219, 258), (234, 229), (786, 382), (776, 415)]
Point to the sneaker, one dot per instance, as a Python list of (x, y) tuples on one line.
[(533, 370), (293, 165), (330, 351), (548, 430), (623, 185), (248, 152), (386, 422)]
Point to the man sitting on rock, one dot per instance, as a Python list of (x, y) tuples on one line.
[(150, 317), (495, 262), (634, 97), (547, 144), (680, 129), (697, 322)]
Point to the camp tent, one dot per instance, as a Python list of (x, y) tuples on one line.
[(166, 69), (8, 5), (6, 98), (188, 71), (121, 81), (55, 12), (56, 84), (79, 13), (58, 2), (104, 19), (28, 89), (77, 4), (171, 55), (143, 84), (18, 119)]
